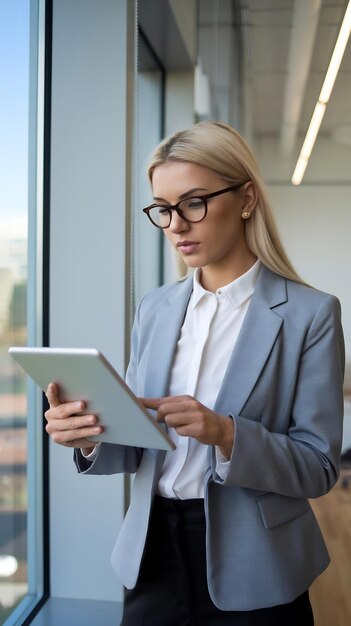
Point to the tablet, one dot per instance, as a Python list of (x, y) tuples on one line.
[(85, 374)]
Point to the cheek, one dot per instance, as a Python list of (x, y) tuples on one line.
[(170, 237), (167, 234), (228, 223)]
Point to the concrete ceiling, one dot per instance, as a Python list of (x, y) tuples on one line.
[(269, 35), (281, 51)]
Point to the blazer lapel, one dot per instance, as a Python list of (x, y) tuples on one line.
[(165, 335), (254, 344)]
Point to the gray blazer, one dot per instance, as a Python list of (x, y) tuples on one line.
[(283, 388)]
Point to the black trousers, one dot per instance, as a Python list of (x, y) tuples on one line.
[(172, 585)]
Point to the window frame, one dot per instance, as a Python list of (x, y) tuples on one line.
[(38, 579)]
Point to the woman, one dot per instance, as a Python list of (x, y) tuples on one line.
[(244, 364)]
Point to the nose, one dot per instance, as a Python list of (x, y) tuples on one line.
[(178, 224)]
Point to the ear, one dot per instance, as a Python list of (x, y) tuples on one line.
[(249, 195)]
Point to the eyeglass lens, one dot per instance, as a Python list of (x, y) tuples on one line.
[(191, 209)]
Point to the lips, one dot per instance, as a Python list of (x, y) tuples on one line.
[(187, 247)]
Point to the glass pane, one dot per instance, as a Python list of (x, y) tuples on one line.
[(149, 90), (14, 103)]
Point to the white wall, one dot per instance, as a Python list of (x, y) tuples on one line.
[(315, 224)]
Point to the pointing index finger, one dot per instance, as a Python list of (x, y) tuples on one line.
[(151, 403)]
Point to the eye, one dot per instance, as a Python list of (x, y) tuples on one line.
[(162, 210), (192, 203)]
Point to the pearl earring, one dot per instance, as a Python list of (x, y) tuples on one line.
[(245, 215)]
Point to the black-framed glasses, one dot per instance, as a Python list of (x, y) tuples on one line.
[(193, 209)]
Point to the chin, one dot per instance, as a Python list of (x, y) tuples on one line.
[(191, 263)]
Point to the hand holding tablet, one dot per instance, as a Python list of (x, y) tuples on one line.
[(85, 375), (68, 428)]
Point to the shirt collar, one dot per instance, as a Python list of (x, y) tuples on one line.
[(237, 292)]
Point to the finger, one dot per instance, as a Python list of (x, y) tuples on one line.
[(151, 403), (86, 444), (71, 423), (63, 411), (177, 420), (155, 403), (52, 395), (182, 405), (73, 438), (189, 428), (186, 431)]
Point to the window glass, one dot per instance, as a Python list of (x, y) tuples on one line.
[(16, 161), (148, 131)]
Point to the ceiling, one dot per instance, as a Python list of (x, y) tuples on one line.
[(278, 51)]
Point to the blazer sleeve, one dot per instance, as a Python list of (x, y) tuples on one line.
[(304, 462), (112, 458)]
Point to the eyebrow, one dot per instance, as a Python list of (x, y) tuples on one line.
[(186, 194)]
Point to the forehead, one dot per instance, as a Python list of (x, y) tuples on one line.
[(179, 176)]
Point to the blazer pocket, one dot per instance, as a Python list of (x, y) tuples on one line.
[(277, 509)]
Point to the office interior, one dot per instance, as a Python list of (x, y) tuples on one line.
[(104, 81)]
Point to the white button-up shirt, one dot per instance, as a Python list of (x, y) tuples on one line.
[(208, 336)]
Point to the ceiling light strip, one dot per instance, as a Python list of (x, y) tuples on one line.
[(308, 144), (324, 96)]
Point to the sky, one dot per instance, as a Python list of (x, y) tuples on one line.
[(14, 82)]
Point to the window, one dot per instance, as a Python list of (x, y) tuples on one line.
[(20, 440), (147, 250)]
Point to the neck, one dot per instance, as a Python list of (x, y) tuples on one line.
[(213, 278)]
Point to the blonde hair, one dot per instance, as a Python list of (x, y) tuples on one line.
[(221, 149)]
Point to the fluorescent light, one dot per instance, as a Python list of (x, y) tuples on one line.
[(299, 170), (324, 96), (337, 55), (313, 129), (308, 144)]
